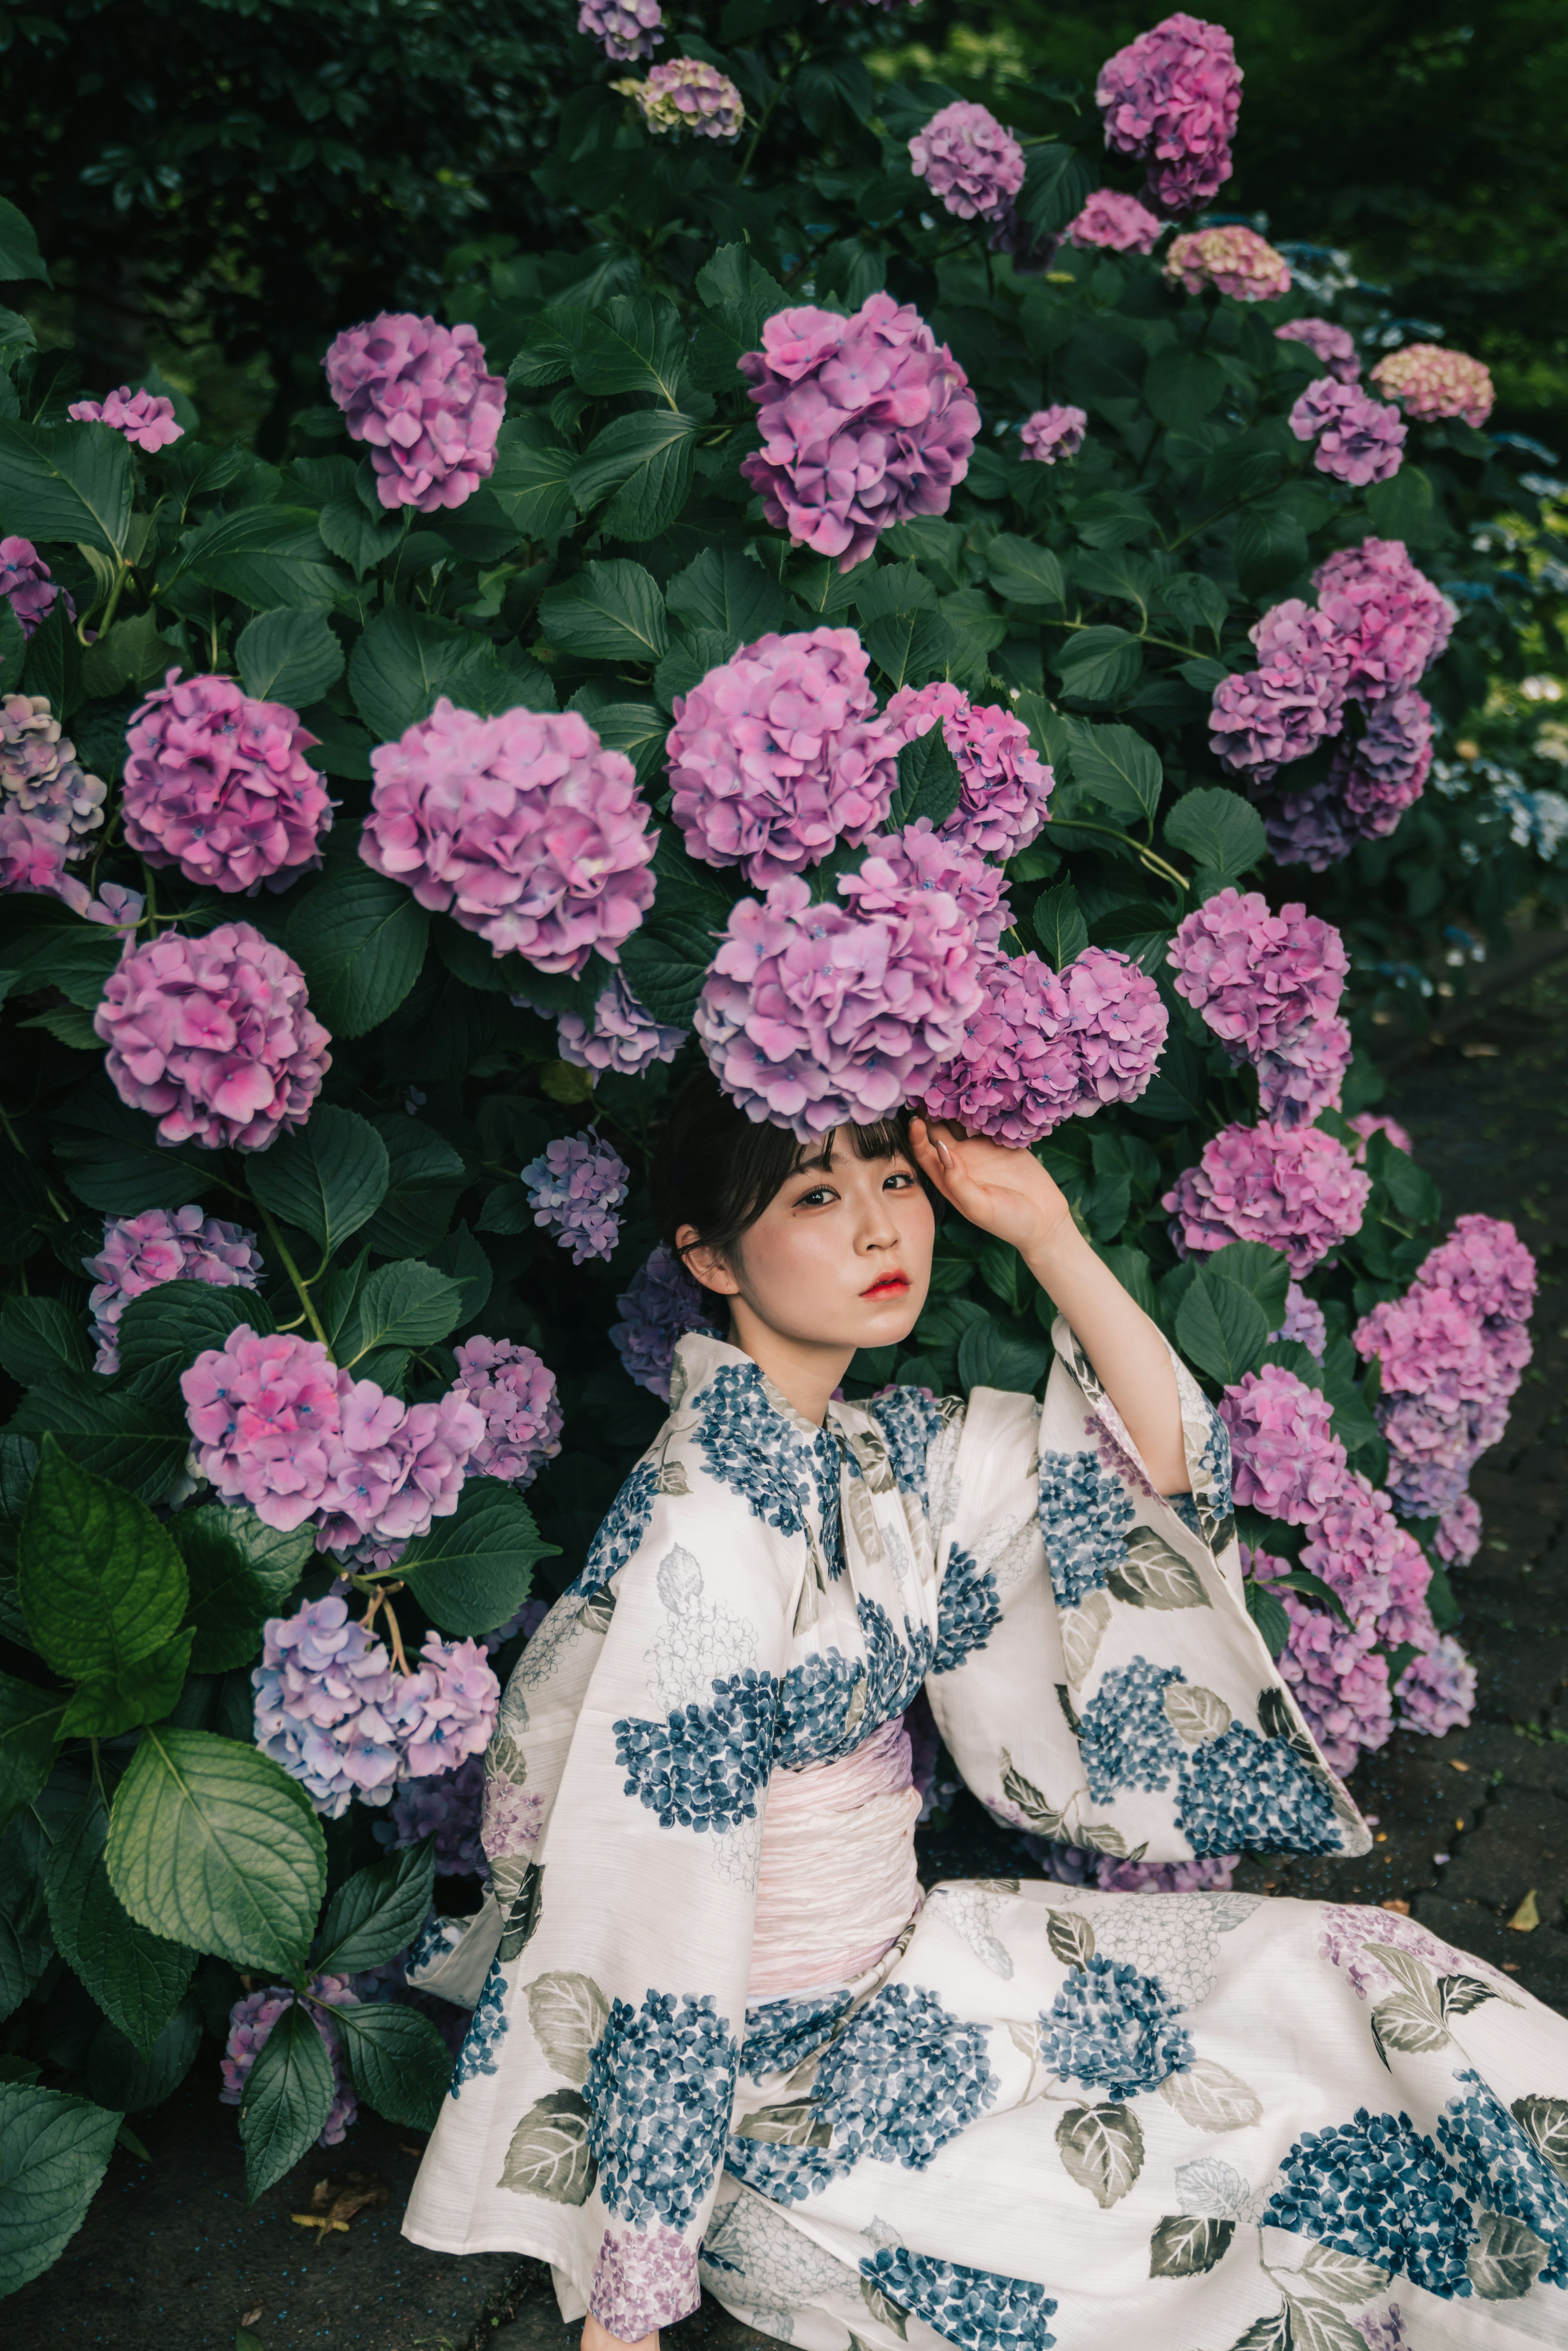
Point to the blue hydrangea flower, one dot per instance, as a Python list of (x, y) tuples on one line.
[(482, 2041), (1126, 1738), (661, 2082), (813, 1707), (1502, 2171), (781, 2033), (1241, 1793), (894, 1671), (910, 1422), (751, 1447), (1215, 1464), (1378, 2188), (967, 1610), (703, 1765), (625, 1524), (1112, 2029), (903, 2078), (1084, 1515), (977, 2309), (784, 2175), (1186, 1510)]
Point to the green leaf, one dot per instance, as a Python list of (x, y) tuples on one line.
[(1220, 830), (54, 662), (212, 1844), (101, 1583), (1261, 1270), (406, 661), (1182, 386), (328, 1176), (642, 463), (1271, 550), (638, 728), (114, 1162), (1059, 925), (30, 1734), (37, 1336), (1185, 2245), (108, 1704), (54, 2150), (991, 1356), (398, 2062), (378, 1912), (426, 1176), (19, 257), (666, 964), (75, 958), (347, 530), (288, 657), (1221, 1327), (1102, 2149), (1507, 2258), (287, 2097), (724, 590), (609, 611), (359, 940), (1268, 1616), (68, 1027), (928, 780), (66, 482), (1403, 507), (128, 658), (636, 344), (137, 1439), (461, 1256), (548, 2154), (1117, 766), (1246, 466), (1023, 573), (240, 1572), (402, 1305), (122, 2076), (265, 556), (533, 489), (137, 1978), (1098, 664), (164, 1329), (474, 1570)]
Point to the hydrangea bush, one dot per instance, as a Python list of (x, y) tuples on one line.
[(914, 658)]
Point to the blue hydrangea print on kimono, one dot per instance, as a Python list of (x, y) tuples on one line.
[(1240, 1792), (782, 2033), (910, 1421), (480, 2053), (1085, 1517), (743, 1443), (1126, 1733), (625, 1524), (1111, 2030), (660, 2085), (968, 1613), (703, 1765), (973, 2308), (1503, 2170)]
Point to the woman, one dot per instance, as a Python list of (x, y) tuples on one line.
[(719, 2033)]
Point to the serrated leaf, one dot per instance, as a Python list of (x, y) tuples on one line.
[(37, 1336), (548, 2153), (723, 589), (1210, 2098), (1102, 2149), (267, 557), (1269, 1616), (612, 611), (398, 2062), (533, 489), (1098, 664), (1083, 1630), (1407, 2023), (928, 780), (568, 2013), (377, 1912), (1317, 2327), (1341, 2276), (406, 659), (1263, 1272), (1115, 765), (329, 1176), (114, 1162), (643, 465), (359, 940), (1153, 1575), (1196, 1714), (30, 1734), (19, 257), (1023, 1793), (1269, 2333), (475, 1569), (1071, 1936), (134, 1439), (1544, 2122), (635, 344), (1507, 2258), (1412, 1973), (1221, 1327), (137, 1978), (287, 2097), (1024, 573), (54, 2150), (101, 1585), (523, 1917), (165, 1329), (288, 656), (1186, 2246), (106, 1703), (1220, 830), (1059, 925), (66, 482), (241, 1571)]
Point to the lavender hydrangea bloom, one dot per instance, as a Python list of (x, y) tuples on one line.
[(1285, 1458), (26, 584), (624, 1036), (866, 421), (661, 1304), (1257, 978), (1337, 1678), (899, 867), (251, 2020), (1234, 261), (446, 1805), (213, 1037), (1437, 1691), (140, 1253), (1334, 345), (514, 1391), (417, 393), (523, 826), (1307, 828), (1304, 1322), (688, 94), (1359, 440), (1305, 1072), (1004, 786), (1120, 223), (1384, 772), (575, 1188), (965, 157), (626, 28), (146, 418), (219, 785), (1459, 1536), (39, 773), (1053, 433), (1171, 97), (1046, 1045), (1389, 619), (1291, 1188), (779, 754), (1434, 382), (1263, 719)]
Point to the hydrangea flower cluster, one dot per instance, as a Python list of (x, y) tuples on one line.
[(1119, 224), (780, 753), (40, 776), (522, 827), (1234, 261), (688, 94), (624, 1036), (1043, 1046), (213, 1037), (146, 418), (866, 421), (1434, 382), (1359, 440), (626, 28), (417, 393), (1334, 345), (813, 1015), (1053, 433), (36, 853), (140, 1253), (1374, 778), (1367, 1124), (251, 2020), (1437, 1691), (1293, 1188), (1459, 1536), (659, 1307), (1390, 620), (1258, 979), (27, 585), (966, 156), (332, 1710), (1262, 719), (898, 867), (1004, 786), (1361, 1552), (1336, 1674), (1114, 2030), (219, 785), (1304, 1322), (1171, 97), (514, 1391), (446, 1805), (575, 1188), (1285, 1458)]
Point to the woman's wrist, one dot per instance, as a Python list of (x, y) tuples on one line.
[(1058, 1245)]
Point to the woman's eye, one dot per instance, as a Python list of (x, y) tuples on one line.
[(899, 1183), (814, 1199)]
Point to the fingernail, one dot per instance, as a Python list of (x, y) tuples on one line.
[(943, 1154)]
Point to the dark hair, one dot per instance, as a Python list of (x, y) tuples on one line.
[(717, 1169)]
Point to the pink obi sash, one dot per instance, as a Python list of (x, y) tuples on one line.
[(837, 1884)]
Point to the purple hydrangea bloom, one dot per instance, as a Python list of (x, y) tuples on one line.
[(1004, 786), (36, 852), (1046, 1045), (146, 418), (779, 754), (39, 773), (576, 1187), (626, 28), (1392, 622), (623, 1035), (1234, 261), (660, 1305), (446, 1805), (1334, 345), (1262, 719), (1437, 1691), (417, 393), (1304, 1322), (1485, 1265), (1119, 224), (140, 1253), (1285, 1458), (1358, 440), (1307, 828), (689, 94), (1337, 1678), (1378, 778), (1459, 1534), (866, 421), (213, 1037), (897, 866), (1434, 382), (1171, 97), (1052, 433), (1291, 1188), (1258, 979), (522, 827), (26, 584), (515, 1394), (965, 157), (251, 2020), (1305, 1072), (219, 785), (1363, 1553)]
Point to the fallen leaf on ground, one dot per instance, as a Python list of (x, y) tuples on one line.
[(336, 2200), (1454, 1764), (250, 2317), (1527, 1916)]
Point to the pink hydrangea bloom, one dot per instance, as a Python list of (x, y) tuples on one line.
[(1377, 776), (1004, 786), (1234, 261), (1334, 345), (688, 94), (1428, 1343), (623, 1035), (1016, 1074), (26, 584), (1118, 1026), (965, 157), (1257, 978), (1305, 1072), (445, 1805), (1358, 440), (866, 422), (251, 2020), (330, 1709), (511, 1818), (1285, 1458), (642, 2279), (515, 1392), (1405, 1616), (213, 1037), (1053, 433), (898, 866), (417, 393), (1390, 619), (1433, 382), (522, 827), (146, 418), (576, 1187), (660, 1305), (39, 773), (1368, 1122), (1436, 1692), (626, 28), (1338, 1681), (780, 753), (1263, 719), (395, 1467), (35, 858), (461, 1699), (1172, 98), (1293, 1188), (1359, 1549), (219, 785), (1459, 1536), (1485, 1265), (813, 1015), (140, 1253), (1121, 223), (1304, 1322)]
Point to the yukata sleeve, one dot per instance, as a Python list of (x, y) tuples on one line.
[(1096, 1676)]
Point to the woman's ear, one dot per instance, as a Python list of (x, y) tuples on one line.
[(705, 1265)]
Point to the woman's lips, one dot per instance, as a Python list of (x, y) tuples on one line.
[(889, 1286)]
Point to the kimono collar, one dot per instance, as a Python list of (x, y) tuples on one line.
[(699, 1355)]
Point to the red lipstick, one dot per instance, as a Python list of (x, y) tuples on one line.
[(889, 1285)]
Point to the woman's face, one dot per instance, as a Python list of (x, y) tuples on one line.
[(840, 1257)]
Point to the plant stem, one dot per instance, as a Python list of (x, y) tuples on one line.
[(11, 1137), (1146, 856), (301, 1288)]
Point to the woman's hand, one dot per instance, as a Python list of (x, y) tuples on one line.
[(1004, 1192), (598, 2338)]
